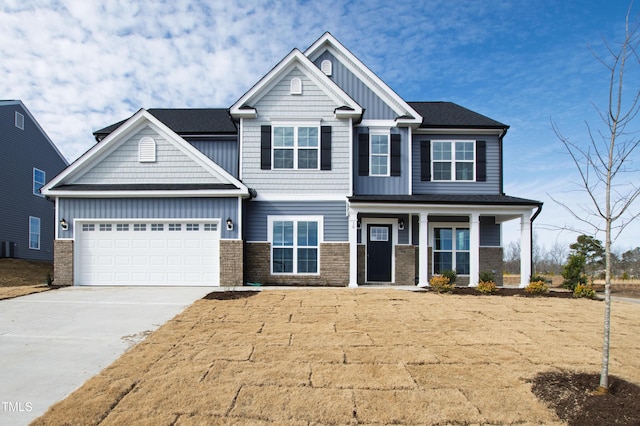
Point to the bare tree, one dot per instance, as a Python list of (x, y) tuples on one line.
[(604, 163)]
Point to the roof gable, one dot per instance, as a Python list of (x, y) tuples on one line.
[(405, 114), (345, 105), (98, 170)]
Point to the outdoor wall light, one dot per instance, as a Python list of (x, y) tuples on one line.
[(229, 224), (64, 225), (401, 224)]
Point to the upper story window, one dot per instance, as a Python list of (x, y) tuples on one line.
[(295, 147), (39, 178), (379, 154), (453, 160), (19, 121), (147, 150)]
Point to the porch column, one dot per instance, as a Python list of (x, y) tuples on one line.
[(353, 248), (474, 249), (525, 250), (423, 260)]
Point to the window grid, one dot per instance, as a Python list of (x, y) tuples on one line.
[(122, 227), (379, 155), (193, 227), (175, 227), (294, 247), (157, 227), (87, 227), (210, 226), (105, 227), (451, 250), (453, 160), (139, 227), (295, 147)]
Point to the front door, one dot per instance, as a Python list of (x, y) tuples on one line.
[(379, 251)]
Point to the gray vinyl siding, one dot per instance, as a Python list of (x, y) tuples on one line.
[(150, 208), (223, 152), (20, 152), (491, 186), (313, 105), (122, 166), (375, 108), (490, 231), (334, 213), (377, 185)]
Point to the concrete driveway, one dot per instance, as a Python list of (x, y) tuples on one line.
[(52, 342)]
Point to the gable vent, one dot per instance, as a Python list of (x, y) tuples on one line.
[(147, 150), (296, 86), (326, 67)]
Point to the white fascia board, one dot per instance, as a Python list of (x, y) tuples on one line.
[(455, 131), (300, 197), (367, 76), (273, 77), (150, 194), (440, 209)]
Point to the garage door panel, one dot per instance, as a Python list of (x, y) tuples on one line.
[(134, 254)]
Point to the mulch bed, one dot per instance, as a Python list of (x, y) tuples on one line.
[(573, 398), (517, 292)]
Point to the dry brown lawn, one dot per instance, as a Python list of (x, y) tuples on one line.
[(21, 277), (353, 356)]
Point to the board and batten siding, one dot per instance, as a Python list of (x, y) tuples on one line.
[(122, 166), (334, 213), (490, 186), (150, 208), (280, 106), (222, 152), (20, 151), (383, 185), (374, 107)]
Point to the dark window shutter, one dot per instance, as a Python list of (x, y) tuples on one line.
[(425, 160), (265, 147), (396, 151), (481, 161), (325, 148), (363, 154)]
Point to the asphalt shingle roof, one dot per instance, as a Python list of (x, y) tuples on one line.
[(450, 115)]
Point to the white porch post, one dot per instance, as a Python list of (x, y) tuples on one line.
[(423, 261), (353, 248), (525, 250), (474, 246)]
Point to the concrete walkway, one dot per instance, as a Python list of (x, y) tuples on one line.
[(52, 342)]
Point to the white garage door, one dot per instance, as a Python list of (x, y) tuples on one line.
[(159, 252)]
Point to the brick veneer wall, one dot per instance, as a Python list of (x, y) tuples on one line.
[(362, 253), (334, 266), (405, 265), (231, 262), (491, 261), (63, 262)]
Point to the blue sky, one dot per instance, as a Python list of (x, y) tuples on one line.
[(81, 65)]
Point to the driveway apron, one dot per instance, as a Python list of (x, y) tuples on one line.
[(52, 342)]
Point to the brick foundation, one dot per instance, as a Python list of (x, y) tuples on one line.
[(405, 265), (231, 263), (63, 262), (334, 267)]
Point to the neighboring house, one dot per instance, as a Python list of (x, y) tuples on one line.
[(319, 175), (28, 159)]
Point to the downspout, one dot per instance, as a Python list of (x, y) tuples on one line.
[(535, 215), (502, 135)]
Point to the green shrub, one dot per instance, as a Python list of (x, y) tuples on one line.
[(49, 279), (538, 277), (537, 287), (486, 287), (441, 284), (451, 274), (584, 290), (486, 276)]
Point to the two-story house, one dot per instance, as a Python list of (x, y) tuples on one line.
[(319, 175), (28, 158)]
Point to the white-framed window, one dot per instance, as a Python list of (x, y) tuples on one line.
[(19, 121), (34, 233), (210, 227), (105, 227), (453, 160), (175, 227), (379, 157), (295, 244), (379, 233), (121, 227), (296, 146), (157, 227), (193, 227), (147, 150), (88, 227), (137, 227), (39, 179), (451, 249)]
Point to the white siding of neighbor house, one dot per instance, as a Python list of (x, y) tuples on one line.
[(122, 166), (280, 105)]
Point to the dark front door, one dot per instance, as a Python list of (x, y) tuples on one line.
[(379, 246)]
